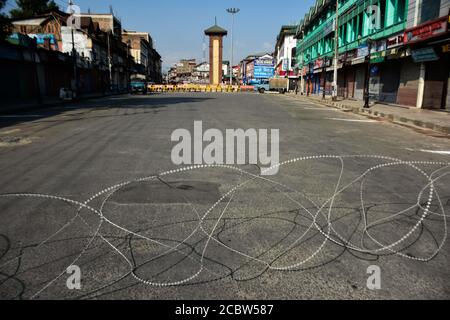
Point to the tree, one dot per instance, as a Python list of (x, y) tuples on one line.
[(4, 22), (30, 8)]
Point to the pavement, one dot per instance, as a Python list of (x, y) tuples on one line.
[(93, 185), (436, 120)]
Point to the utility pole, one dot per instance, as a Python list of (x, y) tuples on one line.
[(36, 72), (324, 73), (109, 63), (232, 11), (367, 75), (74, 53), (287, 64), (302, 78), (336, 52)]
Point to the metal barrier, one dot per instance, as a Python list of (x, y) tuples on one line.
[(199, 88)]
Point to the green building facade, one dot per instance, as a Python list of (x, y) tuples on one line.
[(383, 23)]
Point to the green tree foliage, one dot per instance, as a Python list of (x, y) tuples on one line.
[(30, 8), (4, 22)]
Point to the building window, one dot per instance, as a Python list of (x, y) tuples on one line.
[(381, 14), (401, 14), (429, 10)]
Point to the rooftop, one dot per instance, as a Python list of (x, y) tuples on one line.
[(30, 22), (215, 29)]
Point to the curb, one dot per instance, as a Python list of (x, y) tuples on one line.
[(390, 117)]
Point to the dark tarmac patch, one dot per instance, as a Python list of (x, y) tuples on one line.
[(198, 192)]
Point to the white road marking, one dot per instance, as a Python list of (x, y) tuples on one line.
[(431, 151), (351, 120)]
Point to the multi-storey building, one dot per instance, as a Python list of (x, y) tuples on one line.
[(200, 74), (119, 59), (285, 54), (255, 67), (186, 66), (45, 28), (155, 66), (427, 37), (374, 49)]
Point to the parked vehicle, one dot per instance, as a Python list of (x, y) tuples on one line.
[(66, 94), (138, 86), (273, 84), (261, 86), (279, 84)]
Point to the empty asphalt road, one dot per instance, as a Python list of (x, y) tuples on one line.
[(93, 185)]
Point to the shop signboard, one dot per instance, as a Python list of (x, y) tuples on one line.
[(374, 70), (424, 54), (318, 64), (377, 46), (395, 41), (285, 64), (266, 61), (426, 31), (362, 51), (347, 57), (446, 48)]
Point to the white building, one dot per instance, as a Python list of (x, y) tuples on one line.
[(201, 72), (285, 53)]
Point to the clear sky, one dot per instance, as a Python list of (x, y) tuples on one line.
[(177, 26)]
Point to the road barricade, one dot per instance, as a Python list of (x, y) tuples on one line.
[(156, 88)]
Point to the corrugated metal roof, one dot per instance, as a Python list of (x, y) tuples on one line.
[(30, 22)]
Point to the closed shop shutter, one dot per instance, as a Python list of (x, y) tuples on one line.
[(390, 80), (350, 83), (359, 79), (409, 79), (436, 77)]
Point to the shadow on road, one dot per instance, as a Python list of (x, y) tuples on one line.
[(146, 104)]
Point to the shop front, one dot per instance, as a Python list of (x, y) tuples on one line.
[(429, 44)]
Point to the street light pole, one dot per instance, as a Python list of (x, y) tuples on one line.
[(302, 54), (232, 11), (367, 75), (336, 49)]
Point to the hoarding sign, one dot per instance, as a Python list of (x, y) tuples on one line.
[(264, 72), (40, 38), (264, 62), (426, 31)]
